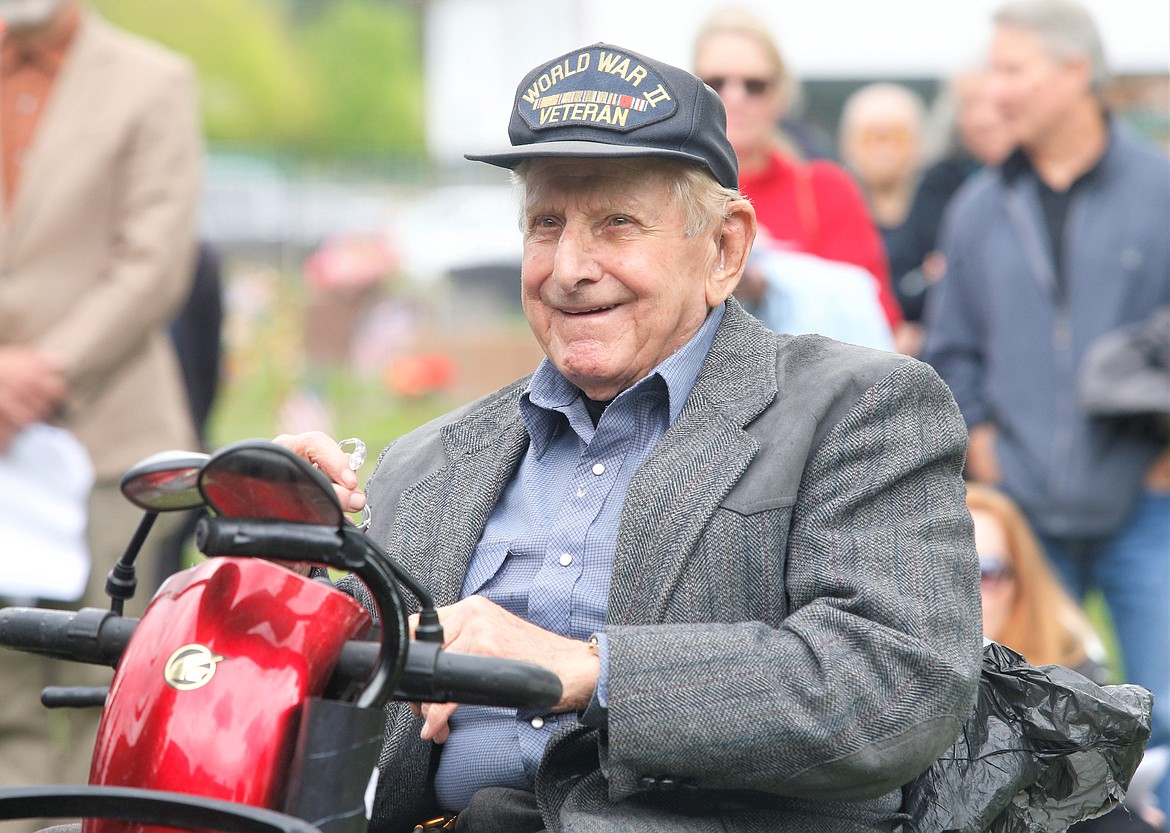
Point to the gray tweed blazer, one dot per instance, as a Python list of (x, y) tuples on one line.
[(793, 619)]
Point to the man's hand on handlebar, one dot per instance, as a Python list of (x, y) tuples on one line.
[(476, 625), (322, 451)]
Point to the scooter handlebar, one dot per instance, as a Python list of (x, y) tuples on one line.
[(439, 676), (89, 635), (430, 675), (269, 539)]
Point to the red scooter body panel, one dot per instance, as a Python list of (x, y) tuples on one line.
[(215, 640)]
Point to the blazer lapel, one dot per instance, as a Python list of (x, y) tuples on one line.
[(446, 512), (698, 461)]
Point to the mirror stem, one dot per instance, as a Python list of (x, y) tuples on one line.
[(122, 581)]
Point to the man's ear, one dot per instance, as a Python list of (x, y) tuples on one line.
[(1080, 69), (735, 244)]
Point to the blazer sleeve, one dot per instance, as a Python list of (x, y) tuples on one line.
[(873, 670), (151, 260)]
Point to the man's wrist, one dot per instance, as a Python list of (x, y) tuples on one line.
[(596, 712), (599, 644), (581, 676)]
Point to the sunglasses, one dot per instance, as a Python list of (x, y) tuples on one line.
[(752, 86), (994, 571)]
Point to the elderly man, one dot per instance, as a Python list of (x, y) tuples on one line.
[(746, 555)]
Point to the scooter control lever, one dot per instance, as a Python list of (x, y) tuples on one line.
[(74, 697)]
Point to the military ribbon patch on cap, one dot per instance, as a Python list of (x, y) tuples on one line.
[(595, 87)]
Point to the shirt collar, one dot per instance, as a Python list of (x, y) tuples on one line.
[(1018, 163), (550, 393), (46, 53)]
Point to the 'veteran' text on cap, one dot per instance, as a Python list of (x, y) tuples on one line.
[(598, 87)]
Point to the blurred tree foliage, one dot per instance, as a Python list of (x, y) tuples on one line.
[(330, 78), (368, 59)]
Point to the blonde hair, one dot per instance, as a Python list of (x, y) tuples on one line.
[(740, 22), (734, 21), (1044, 624)]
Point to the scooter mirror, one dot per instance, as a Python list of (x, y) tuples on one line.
[(261, 480), (165, 482)]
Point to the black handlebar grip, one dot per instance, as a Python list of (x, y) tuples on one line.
[(89, 635), (437, 676), (488, 681), (282, 540)]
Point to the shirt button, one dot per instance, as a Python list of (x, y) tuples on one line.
[(566, 559), (598, 469), (537, 722)]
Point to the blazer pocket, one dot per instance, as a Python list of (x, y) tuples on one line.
[(736, 572)]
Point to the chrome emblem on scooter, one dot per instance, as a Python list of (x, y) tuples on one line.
[(191, 667)]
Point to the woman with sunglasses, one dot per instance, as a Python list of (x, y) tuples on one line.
[(811, 207), (1026, 608)]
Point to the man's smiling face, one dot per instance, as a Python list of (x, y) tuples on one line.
[(612, 283)]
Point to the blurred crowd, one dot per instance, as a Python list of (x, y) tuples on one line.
[(1012, 232), (1021, 261)]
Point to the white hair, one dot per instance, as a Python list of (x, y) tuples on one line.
[(704, 201)]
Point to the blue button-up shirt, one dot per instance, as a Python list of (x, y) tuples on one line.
[(546, 553)]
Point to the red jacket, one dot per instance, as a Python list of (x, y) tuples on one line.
[(818, 209)]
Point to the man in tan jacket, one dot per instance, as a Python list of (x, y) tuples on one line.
[(100, 155)]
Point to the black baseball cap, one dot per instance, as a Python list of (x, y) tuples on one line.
[(602, 101)]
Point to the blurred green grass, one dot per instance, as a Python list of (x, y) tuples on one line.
[(249, 408), (1098, 613), (264, 365)]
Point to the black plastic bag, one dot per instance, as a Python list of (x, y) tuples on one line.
[(1044, 748)]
